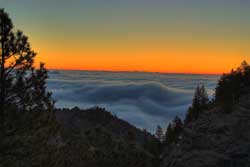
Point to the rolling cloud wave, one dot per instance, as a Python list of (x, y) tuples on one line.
[(143, 99)]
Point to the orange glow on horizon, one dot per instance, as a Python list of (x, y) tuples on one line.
[(145, 60), (174, 37)]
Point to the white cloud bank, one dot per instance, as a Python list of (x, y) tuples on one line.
[(143, 99)]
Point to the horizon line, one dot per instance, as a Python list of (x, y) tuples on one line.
[(135, 71)]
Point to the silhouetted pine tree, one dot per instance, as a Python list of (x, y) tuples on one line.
[(22, 86), (233, 85), (169, 136), (204, 96), (159, 133), (26, 115), (177, 127), (200, 102), (173, 132)]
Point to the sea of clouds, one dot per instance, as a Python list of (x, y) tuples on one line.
[(143, 99)]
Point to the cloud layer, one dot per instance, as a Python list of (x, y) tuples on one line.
[(143, 99)]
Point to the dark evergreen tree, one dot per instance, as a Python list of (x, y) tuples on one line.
[(169, 136), (233, 85), (26, 115), (204, 100), (177, 127), (22, 86), (243, 66), (173, 133), (159, 133), (200, 102)]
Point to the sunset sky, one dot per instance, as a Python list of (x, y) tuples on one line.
[(182, 36)]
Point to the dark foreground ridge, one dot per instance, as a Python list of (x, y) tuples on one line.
[(216, 134), (215, 139), (101, 139), (78, 138)]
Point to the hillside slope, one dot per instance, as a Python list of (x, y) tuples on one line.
[(216, 139), (95, 137), (98, 117)]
